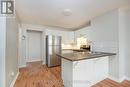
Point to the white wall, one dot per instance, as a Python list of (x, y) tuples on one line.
[(11, 61), (124, 48), (2, 50), (8, 50), (122, 42), (127, 60)]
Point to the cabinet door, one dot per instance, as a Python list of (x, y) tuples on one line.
[(68, 37), (71, 37), (83, 72), (100, 68)]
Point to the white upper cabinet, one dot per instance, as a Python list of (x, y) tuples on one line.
[(85, 32), (68, 37)]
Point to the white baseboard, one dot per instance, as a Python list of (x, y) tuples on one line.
[(127, 78), (120, 79), (14, 80), (113, 78), (44, 63), (34, 60), (22, 66)]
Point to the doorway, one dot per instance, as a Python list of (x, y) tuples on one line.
[(34, 46)]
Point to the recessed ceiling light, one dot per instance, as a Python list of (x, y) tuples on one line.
[(67, 12)]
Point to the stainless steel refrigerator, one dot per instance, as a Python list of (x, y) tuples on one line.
[(53, 46)]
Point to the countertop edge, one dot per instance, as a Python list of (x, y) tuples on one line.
[(91, 57)]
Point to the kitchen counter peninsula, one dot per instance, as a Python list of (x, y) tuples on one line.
[(76, 56), (84, 69)]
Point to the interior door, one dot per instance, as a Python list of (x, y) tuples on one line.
[(34, 45)]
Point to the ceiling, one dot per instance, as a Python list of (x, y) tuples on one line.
[(68, 14)]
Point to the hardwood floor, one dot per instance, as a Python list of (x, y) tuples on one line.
[(111, 83), (126, 83), (37, 75)]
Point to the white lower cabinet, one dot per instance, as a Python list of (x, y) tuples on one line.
[(84, 73), (100, 69)]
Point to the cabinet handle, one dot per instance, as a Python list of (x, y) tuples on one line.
[(96, 60), (75, 64)]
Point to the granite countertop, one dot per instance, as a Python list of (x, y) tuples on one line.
[(76, 56), (78, 50)]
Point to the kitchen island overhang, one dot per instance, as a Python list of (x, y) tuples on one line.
[(77, 56), (84, 69)]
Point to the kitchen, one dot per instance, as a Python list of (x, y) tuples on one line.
[(75, 43), (100, 36), (72, 59)]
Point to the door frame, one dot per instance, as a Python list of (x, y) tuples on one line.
[(42, 46)]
